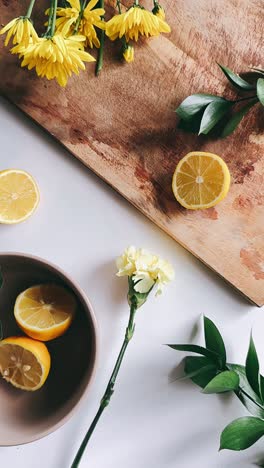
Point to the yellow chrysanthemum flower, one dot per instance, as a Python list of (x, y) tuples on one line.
[(22, 29), (135, 22), (89, 20), (56, 57), (128, 53)]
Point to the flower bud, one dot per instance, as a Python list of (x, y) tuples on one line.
[(159, 12), (128, 53)]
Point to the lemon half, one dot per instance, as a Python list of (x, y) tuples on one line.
[(201, 180), (19, 196), (45, 312), (24, 362)]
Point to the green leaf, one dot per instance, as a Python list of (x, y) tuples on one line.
[(194, 103), (191, 125), (249, 399), (214, 340), (213, 114), (197, 372), (260, 90), (236, 80), (226, 381), (195, 349), (194, 363), (236, 119), (242, 433), (252, 367)]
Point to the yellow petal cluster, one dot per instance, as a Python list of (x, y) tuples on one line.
[(145, 268), (134, 22), (56, 57), (22, 30), (90, 18), (128, 53)]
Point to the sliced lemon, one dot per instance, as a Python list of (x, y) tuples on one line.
[(24, 362), (19, 196), (45, 312), (201, 180)]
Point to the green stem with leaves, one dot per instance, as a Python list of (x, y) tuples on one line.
[(30, 8), (245, 381), (110, 387), (100, 57)]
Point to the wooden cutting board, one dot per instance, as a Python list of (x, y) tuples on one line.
[(122, 125)]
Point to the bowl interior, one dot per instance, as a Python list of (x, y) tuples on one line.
[(27, 416)]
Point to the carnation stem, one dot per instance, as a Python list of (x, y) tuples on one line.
[(30, 8), (100, 57), (110, 387)]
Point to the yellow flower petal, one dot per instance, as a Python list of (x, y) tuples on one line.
[(75, 4), (8, 26), (91, 5)]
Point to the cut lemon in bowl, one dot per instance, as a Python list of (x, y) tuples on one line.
[(201, 180), (45, 312), (19, 196), (24, 362)]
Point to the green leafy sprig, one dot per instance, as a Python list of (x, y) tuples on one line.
[(201, 113), (213, 374)]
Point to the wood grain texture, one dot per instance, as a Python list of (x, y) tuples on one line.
[(122, 125)]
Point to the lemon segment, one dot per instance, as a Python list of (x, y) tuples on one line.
[(45, 312), (24, 362), (201, 180), (19, 196)]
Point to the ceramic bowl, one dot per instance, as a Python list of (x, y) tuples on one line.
[(28, 416)]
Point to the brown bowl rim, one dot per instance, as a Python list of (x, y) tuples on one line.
[(88, 382)]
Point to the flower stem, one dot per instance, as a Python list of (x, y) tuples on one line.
[(110, 387), (53, 23), (30, 8), (52, 19), (100, 57), (118, 4), (77, 24)]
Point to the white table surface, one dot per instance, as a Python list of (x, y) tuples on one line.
[(82, 225)]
